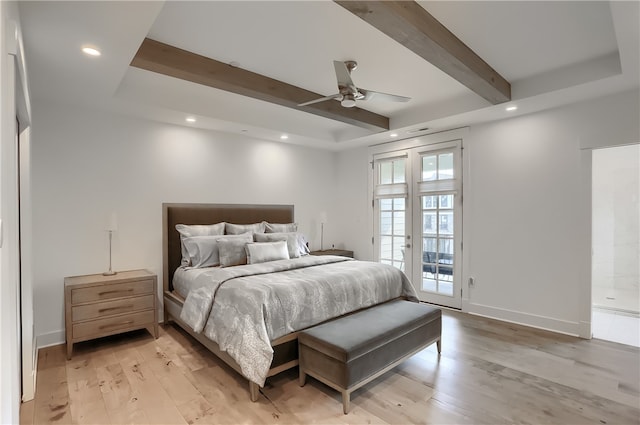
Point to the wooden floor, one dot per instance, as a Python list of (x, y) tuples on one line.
[(489, 372)]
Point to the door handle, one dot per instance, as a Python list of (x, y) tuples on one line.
[(408, 245)]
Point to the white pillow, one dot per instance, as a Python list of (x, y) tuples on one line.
[(296, 242), (280, 228), (237, 229), (261, 252), (232, 251), (191, 230), (204, 251)]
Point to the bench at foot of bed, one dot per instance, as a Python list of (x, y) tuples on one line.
[(351, 351)]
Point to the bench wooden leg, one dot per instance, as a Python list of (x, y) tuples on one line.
[(346, 398), (302, 378), (439, 345)]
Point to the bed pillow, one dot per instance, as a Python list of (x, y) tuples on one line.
[(261, 252), (238, 229), (296, 242), (232, 251), (280, 228), (190, 230), (204, 251)]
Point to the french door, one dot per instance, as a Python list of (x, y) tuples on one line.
[(418, 218)]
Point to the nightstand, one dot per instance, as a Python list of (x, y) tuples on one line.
[(97, 305), (340, 252)]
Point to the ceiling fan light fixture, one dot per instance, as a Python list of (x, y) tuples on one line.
[(348, 101)]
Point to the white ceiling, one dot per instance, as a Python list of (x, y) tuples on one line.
[(552, 53)]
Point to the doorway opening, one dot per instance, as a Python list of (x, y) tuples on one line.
[(616, 244)]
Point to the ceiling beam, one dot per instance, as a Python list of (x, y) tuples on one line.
[(412, 26), (169, 60)]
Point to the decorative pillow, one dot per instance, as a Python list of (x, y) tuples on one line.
[(280, 228), (261, 252), (237, 229), (204, 250), (296, 242), (232, 252), (190, 230)]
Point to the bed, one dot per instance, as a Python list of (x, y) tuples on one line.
[(282, 349)]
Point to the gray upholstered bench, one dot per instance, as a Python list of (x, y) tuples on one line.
[(351, 351)]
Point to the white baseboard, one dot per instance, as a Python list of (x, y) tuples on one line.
[(49, 339), (527, 319)]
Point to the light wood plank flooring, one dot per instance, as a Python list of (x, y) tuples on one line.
[(490, 372)]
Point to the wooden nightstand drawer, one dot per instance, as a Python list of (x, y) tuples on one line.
[(109, 308), (115, 324), (116, 290)]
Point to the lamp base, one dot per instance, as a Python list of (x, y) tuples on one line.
[(109, 273)]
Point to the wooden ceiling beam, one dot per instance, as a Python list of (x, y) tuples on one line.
[(412, 26), (169, 60)]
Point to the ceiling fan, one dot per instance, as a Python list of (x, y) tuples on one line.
[(349, 93)]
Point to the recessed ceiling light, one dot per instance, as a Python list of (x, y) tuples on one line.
[(91, 51), (511, 108), (190, 119), (284, 137), (393, 135)]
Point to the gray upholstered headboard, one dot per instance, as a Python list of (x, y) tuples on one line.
[(173, 214)]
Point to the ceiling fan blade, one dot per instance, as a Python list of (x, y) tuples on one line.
[(322, 99), (343, 75), (368, 94)]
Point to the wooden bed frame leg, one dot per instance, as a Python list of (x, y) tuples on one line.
[(254, 391), (439, 345)]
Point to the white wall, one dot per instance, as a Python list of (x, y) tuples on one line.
[(87, 164), (616, 227), (353, 210), (526, 210)]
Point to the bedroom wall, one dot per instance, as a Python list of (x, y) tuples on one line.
[(88, 164), (527, 210)]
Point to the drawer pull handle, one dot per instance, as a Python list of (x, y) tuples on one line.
[(122, 307), (116, 325), (115, 292)]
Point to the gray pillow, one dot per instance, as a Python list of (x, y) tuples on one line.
[(261, 252), (280, 228), (237, 229), (204, 251), (232, 251), (190, 230)]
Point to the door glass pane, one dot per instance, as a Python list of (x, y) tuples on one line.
[(446, 222), (429, 247), (445, 249), (429, 222), (445, 166), (446, 201), (398, 204), (386, 204), (429, 202), (386, 247), (398, 223), (386, 222), (398, 248), (398, 171), (386, 170), (429, 167)]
